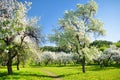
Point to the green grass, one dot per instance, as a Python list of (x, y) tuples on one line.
[(65, 73), (24, 74), (93, 73)]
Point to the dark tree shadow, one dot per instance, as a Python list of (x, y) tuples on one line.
[(98, 68), (18, 75), (3, 74)]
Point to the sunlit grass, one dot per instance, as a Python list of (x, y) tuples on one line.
[(93, 73), (65, 73), (24, 74)]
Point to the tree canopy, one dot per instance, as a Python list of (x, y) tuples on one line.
[(17, 32), (77, 27)]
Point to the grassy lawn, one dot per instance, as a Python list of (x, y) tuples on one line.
[(65, 73), (24, 74), (93, 73)]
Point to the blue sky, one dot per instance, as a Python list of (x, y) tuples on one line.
[(51, 10)]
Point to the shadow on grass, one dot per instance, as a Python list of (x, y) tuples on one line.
[(98, 68), (16, 76), (62, 65), (3, 74), (95, 67)]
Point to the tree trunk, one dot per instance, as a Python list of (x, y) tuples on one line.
[(107, 62), (23, 64), (83, 64), (18, 62), (9, 64)]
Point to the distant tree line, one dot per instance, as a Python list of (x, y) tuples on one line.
[(55, 49), (100, 44)]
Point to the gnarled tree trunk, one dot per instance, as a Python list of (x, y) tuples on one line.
[(9, 64)]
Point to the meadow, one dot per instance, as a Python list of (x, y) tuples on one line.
[(94, 72)]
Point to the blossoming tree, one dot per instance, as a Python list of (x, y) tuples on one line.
[(77, 27), (14, 25)]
